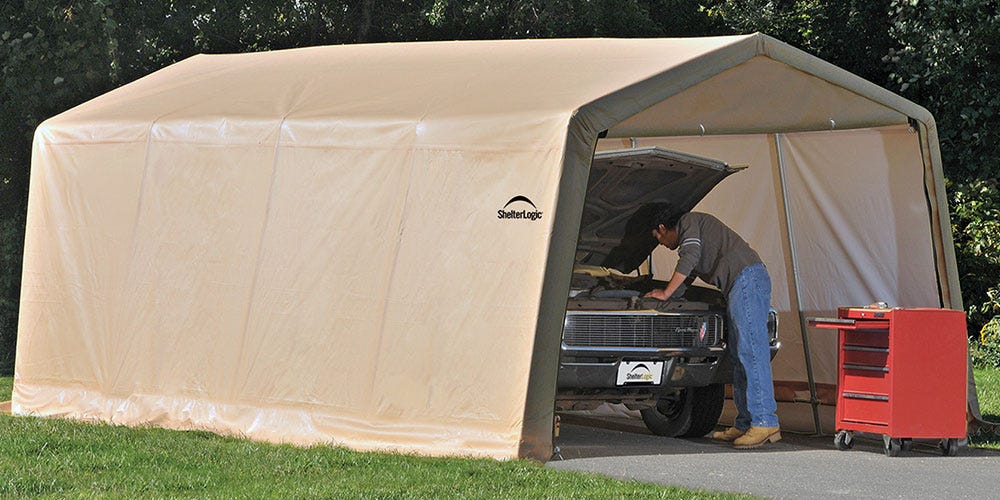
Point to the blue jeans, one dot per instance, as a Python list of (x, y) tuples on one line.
[(749, 348)]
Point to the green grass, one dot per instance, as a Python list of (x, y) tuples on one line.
[(988, 390), (58, 458)]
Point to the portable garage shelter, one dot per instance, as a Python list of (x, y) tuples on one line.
[(306, 245)]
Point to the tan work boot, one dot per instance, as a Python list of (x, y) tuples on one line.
[(729, 434), (757, 436)]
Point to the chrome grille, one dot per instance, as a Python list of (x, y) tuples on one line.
[(642, 330)]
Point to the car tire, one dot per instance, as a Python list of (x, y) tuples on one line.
[(671, 417), (691, 412), (706, 407)]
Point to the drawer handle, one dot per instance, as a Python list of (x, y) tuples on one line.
[(866, 349), (830, 323), (884, 369), (856, 325), (872, 397)]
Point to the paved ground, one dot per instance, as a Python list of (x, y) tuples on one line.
[(796, 467)]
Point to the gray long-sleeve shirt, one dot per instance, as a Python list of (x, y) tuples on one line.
[(710, 250)]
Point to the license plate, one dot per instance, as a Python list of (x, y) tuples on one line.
[(640, 372)]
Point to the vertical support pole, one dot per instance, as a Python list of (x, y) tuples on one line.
[(813, 399)]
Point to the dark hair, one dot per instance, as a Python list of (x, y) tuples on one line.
[(638, 241), (666, 214)]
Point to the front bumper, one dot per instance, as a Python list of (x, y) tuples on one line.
[(589, 368), (597, 368), (591, 373)]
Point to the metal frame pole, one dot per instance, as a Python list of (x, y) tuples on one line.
[(813, 400)]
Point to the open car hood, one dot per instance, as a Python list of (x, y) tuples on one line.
[(624, 187)]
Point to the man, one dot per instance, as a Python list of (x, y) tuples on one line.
[(710, 250)]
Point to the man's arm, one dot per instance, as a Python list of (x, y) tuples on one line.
[(675, 282)]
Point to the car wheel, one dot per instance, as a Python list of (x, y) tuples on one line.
[(671, 416), (706, 407)]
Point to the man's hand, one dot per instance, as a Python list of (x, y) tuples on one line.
[(675, 282)]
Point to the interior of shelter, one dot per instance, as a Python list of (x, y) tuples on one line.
[(840, 217)]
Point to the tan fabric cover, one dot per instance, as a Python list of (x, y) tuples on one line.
[(303, 246), (806, 103)]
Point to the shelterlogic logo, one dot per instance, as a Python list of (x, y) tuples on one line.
[(640, 373), (523, 214)]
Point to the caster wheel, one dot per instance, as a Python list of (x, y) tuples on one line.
[(892, 446), (949, 447), (844, 440)]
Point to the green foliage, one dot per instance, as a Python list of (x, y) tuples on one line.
[(988, 390), (946, 60), (975, 219), (11, 244), (985, 354), (853, 34), (452, 19), (990, 332), (985, 350)]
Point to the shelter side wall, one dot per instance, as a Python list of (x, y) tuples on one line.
[(156, 246), (462, 304), (191, 270), (367, 296), (315, 318), (72, 272)]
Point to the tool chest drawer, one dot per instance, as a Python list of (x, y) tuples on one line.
[(876, 338), (864, 408), (865, 381), (901, 373), (865, 355)]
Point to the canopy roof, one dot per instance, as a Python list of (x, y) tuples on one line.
[(329, 95)]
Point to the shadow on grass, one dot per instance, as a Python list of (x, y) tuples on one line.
[(987, 436)]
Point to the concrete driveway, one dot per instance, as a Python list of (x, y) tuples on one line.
[(796, 467)]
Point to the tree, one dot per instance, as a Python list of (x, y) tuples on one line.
[(947, 60), (54, 57), (853, 34)]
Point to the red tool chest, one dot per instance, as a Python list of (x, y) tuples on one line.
[(902, 374)]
